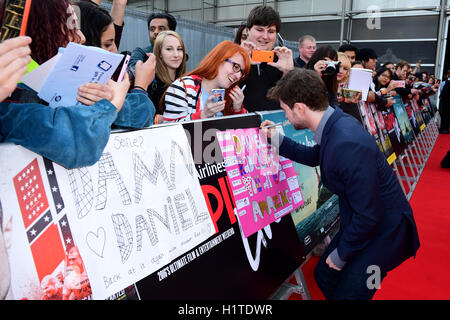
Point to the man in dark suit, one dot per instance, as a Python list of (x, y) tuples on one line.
[(377, 231)]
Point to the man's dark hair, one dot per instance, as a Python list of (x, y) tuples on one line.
[(388, 62), (348, 47), (401, 64), (264, 16), (365, 54), (162, 15), (301, 85)]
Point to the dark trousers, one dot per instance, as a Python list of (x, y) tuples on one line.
[(344, 284), (444, 112)]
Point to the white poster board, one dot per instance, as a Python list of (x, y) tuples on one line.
[(360, 79), (137, 209)]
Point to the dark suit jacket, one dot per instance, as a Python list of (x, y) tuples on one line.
[(377, 223)]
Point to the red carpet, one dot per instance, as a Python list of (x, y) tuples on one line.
[(428, 276)]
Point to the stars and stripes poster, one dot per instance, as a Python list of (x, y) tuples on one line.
[(42, 254)]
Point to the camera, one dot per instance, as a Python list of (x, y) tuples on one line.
[(332, 68)]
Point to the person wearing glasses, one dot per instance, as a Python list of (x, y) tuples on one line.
[(191, 97)]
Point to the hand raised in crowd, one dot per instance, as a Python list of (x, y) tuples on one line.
[(120, 90), (285, 61), (249, 47), (145, 71), (371, 96), (90, 93), (237, 95), (211, 108), (14, 58), (390, 102), (320, 67)]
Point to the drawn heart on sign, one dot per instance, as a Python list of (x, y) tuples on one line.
[(96, 241)]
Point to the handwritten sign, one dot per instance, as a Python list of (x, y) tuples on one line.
[(137, 209), (264, 185)]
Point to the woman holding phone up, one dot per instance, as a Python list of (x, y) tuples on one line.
[(190, 97)]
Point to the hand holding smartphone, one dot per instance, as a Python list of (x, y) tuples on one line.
[(121, 69), (219, 95), (262, 55)]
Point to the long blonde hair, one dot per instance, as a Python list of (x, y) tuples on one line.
[(161, 69), (345, 61)]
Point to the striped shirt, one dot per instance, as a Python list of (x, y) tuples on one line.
[(182, 99)]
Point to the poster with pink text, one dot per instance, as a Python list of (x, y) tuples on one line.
[(264, 185)]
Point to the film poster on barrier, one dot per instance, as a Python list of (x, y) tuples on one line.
[(406, 129), (92, 232), (418, 114), (388, 149), (412, 116), (320, 211), (393, 129), (369, 122), (227, 265)]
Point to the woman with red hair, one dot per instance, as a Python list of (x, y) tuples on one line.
[(190, 97), (52, 24)]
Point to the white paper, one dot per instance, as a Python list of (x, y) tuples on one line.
[(360, 79), (35, 79), (77, 65)]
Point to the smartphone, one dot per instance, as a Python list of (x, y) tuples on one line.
[(262, 56), (398, 83), (219, 95), (121, 69), (15, 19), (280, 40)]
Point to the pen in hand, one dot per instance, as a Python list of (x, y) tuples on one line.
[(273, 125)]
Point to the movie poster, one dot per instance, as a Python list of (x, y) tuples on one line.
[(369, 122), (320, 210), (227, 265), (403, 121), (264, 185), (412, 116), (393, 129), (383, 134), (418, 114)]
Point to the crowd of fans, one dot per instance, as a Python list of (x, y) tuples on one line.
[(157, 87)]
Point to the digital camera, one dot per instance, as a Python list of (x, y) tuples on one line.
[(332, 68)]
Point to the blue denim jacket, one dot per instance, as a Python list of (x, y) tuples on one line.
[(139, 54), (72, 136)]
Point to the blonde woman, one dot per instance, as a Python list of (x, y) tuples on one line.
[(343, 78), (170, 57), (344, 71)]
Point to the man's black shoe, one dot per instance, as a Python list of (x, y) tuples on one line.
[(444, 131)]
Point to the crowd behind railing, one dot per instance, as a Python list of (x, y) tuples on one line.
[(157, 88), (234, 78)]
